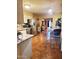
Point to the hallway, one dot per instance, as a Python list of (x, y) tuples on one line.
[(41, 47)]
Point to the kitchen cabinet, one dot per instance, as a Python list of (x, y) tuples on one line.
[(24, 49)]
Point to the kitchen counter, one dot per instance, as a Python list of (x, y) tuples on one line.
[(25, 36), (24, 47)]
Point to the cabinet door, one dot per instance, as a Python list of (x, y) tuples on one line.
[(19, 51), (25, 49)]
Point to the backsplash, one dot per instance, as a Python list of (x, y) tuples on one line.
[(19, 27)]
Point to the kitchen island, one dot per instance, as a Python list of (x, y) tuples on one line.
[(24, 46)]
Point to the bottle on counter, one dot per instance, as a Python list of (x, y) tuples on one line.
[(19, 36)]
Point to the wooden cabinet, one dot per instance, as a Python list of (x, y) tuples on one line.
[(20, 17), (24, 49)]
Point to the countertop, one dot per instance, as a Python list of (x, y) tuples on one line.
[(25, 36)]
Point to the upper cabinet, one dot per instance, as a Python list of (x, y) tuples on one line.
[(20, 18)]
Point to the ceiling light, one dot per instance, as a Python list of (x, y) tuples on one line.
[(27, 6), (50, 10)]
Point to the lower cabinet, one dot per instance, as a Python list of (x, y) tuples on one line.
[(24, 49)]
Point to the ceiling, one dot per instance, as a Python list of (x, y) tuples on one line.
[(42, 6)]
